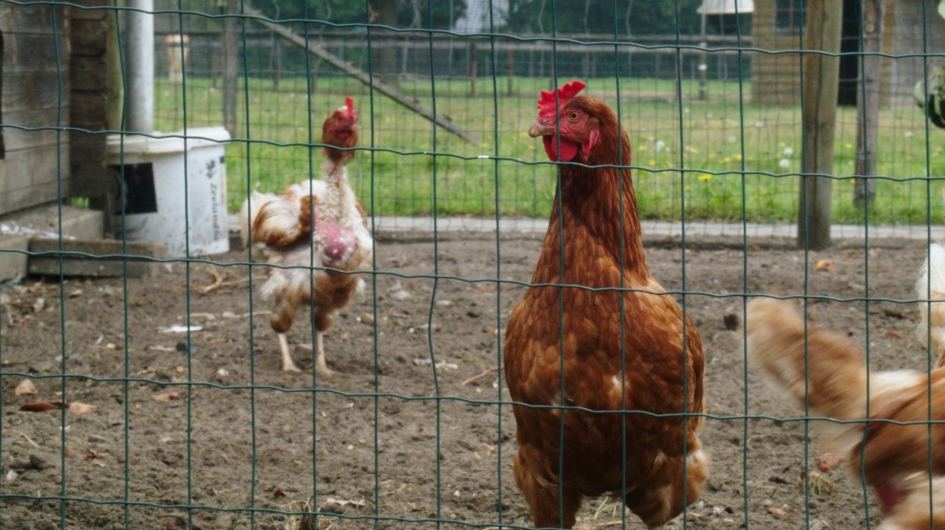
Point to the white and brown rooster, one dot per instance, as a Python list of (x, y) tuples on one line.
[(316, 222)]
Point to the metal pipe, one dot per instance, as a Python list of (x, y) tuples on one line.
[(140, 65)]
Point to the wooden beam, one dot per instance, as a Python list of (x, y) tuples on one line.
[(867, 108), (362, 76), (231, 67), (821, 82)]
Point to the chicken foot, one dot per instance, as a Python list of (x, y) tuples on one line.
[(320, 367)]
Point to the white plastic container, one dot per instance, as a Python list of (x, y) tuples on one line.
[(154, 189)]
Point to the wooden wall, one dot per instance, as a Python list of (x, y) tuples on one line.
[(775, 78), (34, 163), (89, 36), (904, 36)]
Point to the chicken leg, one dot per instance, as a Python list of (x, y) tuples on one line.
[(288, 365), (320, 367)]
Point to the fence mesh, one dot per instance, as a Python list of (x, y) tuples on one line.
[(178, 413)]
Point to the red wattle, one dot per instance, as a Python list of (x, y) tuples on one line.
[(569, 149)]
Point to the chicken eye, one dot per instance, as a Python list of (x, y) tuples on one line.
[(573, 116)]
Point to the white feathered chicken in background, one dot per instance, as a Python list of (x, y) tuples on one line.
[(316, 222), (931, 286)]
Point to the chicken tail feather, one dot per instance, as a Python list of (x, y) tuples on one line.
[(834, 379), (249, 211)]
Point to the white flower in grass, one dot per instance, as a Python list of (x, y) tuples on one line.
[(759, 124), (731, 139), (660, 144), (909, 134), (784, 163), (788, 151)]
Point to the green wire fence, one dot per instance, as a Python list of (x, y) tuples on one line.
[(179, 416)]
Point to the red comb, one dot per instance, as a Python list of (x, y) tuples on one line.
[(350, 104), (569, 90)]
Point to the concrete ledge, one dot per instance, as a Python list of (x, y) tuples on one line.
[(49, 263), (17, 229)]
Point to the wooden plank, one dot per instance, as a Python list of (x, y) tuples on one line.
[(20, 18), (34, 53), (88, 110), (88, 73), (821, 83), (17, 139), (30, 90), (88, 37), (316, 49), (30, 167), (40, 117), (23, 198)]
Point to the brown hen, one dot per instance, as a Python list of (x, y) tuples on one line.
[(597, 227), (894, 458)]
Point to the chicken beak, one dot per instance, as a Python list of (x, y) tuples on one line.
[(540, 129)]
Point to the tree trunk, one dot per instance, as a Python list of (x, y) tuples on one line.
[(384, 59), (821, 82), (867, 108)]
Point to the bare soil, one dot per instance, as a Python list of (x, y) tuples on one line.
[(246, 440)]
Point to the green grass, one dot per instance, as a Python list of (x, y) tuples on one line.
[(697, 147)]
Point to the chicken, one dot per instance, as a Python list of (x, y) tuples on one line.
[(665, 467), (894, 458), (316, 223), (931, 286)]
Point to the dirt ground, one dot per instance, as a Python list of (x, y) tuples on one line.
[(256, 439)]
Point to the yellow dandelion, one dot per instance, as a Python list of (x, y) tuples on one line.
[(726, 159), (642, 148), (704, 177), (693, 150), (711, 156), (782, 144), (738, 158), (652, 162), (849, 146), (687, 188)]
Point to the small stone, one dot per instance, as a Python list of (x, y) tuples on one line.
[(182, 347), (40, 463), (366, 319)]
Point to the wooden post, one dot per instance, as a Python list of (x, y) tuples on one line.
[(867, 108), (510, 68), (231, 66), (472, 70), (276, 62), (821, 81)]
